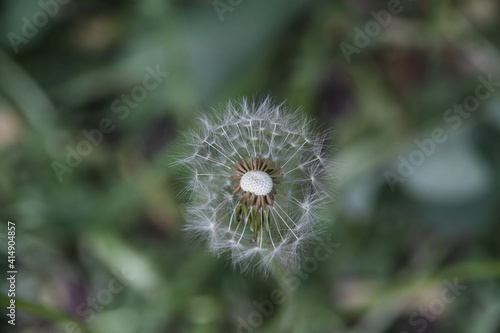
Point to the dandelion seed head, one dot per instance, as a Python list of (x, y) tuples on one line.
[(257, 182), (259, 175)]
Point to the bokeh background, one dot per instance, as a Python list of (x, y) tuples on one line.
[(99, 243)]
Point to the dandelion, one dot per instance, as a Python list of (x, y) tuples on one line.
[(257, 178)]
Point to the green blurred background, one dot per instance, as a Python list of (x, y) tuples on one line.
[(99, 241)]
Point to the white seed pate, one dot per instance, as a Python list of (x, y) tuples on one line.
[(257, 182)]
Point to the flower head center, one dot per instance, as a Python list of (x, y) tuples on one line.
[(257, 182)]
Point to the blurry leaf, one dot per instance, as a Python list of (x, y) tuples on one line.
[(452, 174)]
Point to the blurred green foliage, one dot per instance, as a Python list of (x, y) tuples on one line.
[(80, 231)]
